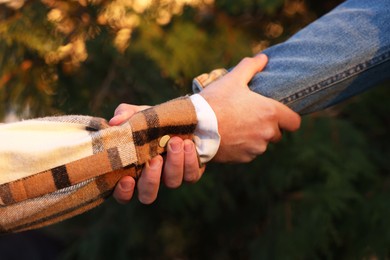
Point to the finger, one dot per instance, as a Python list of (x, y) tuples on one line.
[(124, 112), (248, 67), (174, 163), (288, 119), (124, 190), (122, 108), (202, 169), (118, 119), (191, 163), (149, 182), (275, 135)]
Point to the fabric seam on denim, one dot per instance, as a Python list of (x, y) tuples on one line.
[(365, 66)]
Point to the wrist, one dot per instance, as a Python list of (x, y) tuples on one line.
[(206, 136)]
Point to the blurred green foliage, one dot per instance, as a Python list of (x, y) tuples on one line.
[(322, 193)]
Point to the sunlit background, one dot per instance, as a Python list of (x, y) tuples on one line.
[(322, 193)]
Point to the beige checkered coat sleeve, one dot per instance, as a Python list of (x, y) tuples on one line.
[(54, 168)]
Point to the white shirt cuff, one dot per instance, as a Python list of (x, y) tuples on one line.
[(207, 138)]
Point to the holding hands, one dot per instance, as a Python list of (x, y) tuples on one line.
[(247, 123), (181, 164)]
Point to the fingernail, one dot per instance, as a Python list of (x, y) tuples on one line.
[(175, 146), (126, 186), (188, 147), (154, 162)]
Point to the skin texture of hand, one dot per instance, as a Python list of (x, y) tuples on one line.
[(181, 164), (247, 121)]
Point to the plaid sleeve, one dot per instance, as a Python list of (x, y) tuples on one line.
[(57, 167)]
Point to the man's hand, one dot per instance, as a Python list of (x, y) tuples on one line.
[(181, 164), (247, 121)]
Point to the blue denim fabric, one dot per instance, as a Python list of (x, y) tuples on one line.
[(339, 55)]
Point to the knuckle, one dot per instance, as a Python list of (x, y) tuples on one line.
[(270, 113), (173, 180), (269, 134), (176, 164), (150, 180), (249, 157), (250, 154), (260, 149)]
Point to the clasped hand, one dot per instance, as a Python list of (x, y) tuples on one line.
[(247, 123)]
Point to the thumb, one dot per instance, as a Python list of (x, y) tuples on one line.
[(247, 68), (124, 112)]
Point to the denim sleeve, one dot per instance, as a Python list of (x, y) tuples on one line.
[(336, 57)]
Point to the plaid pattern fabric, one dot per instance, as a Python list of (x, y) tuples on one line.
[(205, 79), (54, 168)]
